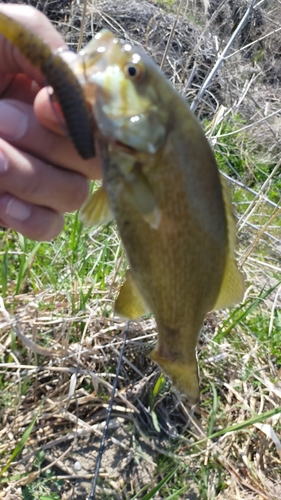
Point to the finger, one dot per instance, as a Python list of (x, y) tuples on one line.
[(48, 113), (36, 182), (19, 126), (35, 222), (22, 89), (12, 62)]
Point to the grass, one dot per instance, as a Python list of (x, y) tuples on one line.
[(59, 343)]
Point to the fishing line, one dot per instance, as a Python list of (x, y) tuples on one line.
[(101, 450)]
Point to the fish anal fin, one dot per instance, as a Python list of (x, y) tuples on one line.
[(232, 287), (129, 303), (96, 209), (183, 375)]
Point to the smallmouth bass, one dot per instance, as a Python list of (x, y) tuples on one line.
[(59, 75), (173, 210)]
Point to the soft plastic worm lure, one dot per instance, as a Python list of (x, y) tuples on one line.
[(68, 91)]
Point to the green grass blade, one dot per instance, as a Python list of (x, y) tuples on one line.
[(75, 236), (21, 443), (25, 263), (155, 421), (158, 487), (154, 490), (245, 313), (158, 386), (175, 495), (20, 275), (16, 477), (84, 297), (5, 273), (44, 497), (241, 425), (31, 256)]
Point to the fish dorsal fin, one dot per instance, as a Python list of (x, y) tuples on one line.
[(96, 209), (129, 303), (232, 288)]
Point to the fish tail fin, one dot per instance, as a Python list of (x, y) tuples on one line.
[(184, 376)]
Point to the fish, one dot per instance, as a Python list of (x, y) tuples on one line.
[(68, 91), (172, 207)]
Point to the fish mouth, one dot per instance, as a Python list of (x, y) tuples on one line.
[(115, 143), (120, 137), (124, 147), (140, 156)]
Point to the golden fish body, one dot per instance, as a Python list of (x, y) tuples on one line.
[(171, 206)]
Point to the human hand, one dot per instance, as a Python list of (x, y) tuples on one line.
[(41, 174)]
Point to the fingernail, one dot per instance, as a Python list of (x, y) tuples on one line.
[(13, 122), (3, 163), (18, 210)]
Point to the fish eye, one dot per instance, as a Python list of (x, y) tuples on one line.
[(134, 71)]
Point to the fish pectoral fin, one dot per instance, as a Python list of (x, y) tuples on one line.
[(96, 209), (232, 288), (153, 218), (129, 303), (143, 198), (184, 376)]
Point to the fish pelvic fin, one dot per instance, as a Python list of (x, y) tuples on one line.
[(129, 303), (232, 287), (96, 209), (185, 376)]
